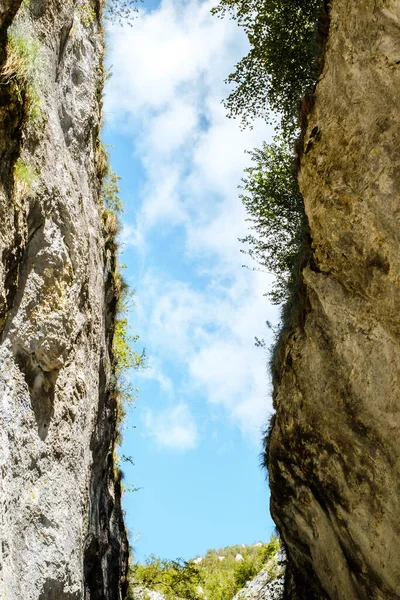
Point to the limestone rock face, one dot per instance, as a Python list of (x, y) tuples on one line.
[(61, 529), (334, 455)]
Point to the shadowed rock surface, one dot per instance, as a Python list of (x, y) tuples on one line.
[(61, 529), (334, 450)]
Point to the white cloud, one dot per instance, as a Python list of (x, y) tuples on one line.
[(166, 90), (168, 73), (168, 130), (210, 334), (155, 373), (173, 428), (157, 60), (163, 202)]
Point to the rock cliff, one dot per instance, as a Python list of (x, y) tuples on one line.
[(61, 529), (334, 449)]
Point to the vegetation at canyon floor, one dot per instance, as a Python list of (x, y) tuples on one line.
[(218, 575)]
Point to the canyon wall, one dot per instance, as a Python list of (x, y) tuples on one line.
[(61, 529), (334, 449)]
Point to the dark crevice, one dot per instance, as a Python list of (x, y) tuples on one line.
[(106, 551), (41, 387), (64, 35), (19, 264)]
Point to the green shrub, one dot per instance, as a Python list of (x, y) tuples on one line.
[(275, 212), (110, 189), (270, 549), (86, 14), (124, 355), (244, 571), (176, 579)]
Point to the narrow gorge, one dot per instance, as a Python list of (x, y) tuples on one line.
[(332, 450)]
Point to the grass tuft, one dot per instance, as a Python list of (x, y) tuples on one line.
[(25, 178), (23, 68)]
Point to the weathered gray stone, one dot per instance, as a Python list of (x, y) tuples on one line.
[(334, 458), (61, 528)]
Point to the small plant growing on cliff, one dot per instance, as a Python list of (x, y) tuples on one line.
[(86, 14), (110, 192), (23, 68), (25, 178), (124, 355), (110, 198)]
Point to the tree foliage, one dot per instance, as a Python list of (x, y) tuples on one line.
[(174, 578), (121, 12), (270, 82), (244, 571), (275, 212), (282, 63)]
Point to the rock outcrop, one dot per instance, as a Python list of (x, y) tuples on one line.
[(61, 530), (142, 593), (269, 584), (334, 450)]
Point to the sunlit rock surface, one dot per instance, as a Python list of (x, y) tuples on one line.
[(269, 583), (61, 530), (334, 457)]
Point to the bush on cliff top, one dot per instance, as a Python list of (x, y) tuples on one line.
[(280, 69), (282, 63)]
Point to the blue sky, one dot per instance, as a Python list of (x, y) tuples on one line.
[(195, 432)]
